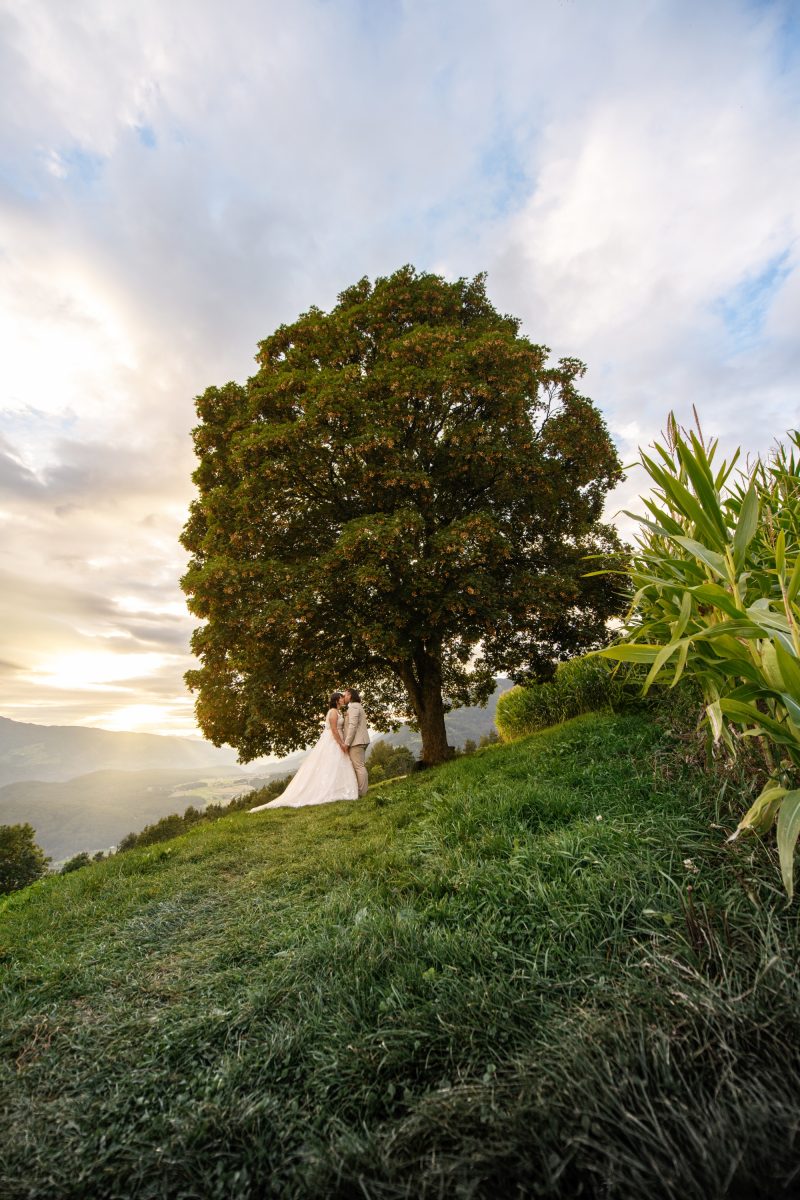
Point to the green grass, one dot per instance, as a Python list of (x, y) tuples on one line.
[(464, 985)]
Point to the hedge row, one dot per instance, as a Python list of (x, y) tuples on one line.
[(581, 685)]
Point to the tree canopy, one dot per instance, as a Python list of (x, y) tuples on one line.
[(22, 861), (402, 498)]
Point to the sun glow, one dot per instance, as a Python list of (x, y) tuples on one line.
[(95, 670), (149, 718)]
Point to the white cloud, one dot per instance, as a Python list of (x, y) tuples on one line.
[(177, 179)]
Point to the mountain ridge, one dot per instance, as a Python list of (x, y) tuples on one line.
[(50, 753)]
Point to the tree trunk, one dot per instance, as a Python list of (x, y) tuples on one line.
[(423, 681), (434, 734)]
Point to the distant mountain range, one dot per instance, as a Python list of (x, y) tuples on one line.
[(57, 752), (84, 789), (93, 811)]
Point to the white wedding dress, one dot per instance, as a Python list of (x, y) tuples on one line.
[(325, 774)]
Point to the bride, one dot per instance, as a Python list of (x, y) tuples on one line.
[(326, 773)]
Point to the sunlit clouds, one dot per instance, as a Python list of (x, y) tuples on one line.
[(178, 179)]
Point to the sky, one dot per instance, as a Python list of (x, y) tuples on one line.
[(177, 179)]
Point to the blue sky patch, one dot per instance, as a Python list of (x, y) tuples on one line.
[(744, 308), (81, 165), (146, 136), (509, 180)]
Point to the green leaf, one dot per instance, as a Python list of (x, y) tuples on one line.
[(771, 623), (761, 813), (746, 526), (780, 552), (712, 593), (658, 530), (663, 656), (788, 831), (714, 713), (663, 518), (789, 668), (686, 612), (743, 668), (734, 629), (683, 654), (710, 557), (794, 582), (725, 469), (769, 665), (748, 714), (703, 483), (684, 501), (631, 652)]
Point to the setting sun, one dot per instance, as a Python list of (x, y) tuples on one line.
[(96, 670)]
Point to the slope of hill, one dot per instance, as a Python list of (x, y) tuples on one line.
[(534, 971), (57, 752), (84, 789)]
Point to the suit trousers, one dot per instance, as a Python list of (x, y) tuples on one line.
[(357, 759)]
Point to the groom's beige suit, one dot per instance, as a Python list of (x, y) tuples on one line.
[(356, 737)]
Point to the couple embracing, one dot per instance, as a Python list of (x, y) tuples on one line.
[(334, 769)]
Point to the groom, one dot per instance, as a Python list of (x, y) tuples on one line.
[(356, 737)]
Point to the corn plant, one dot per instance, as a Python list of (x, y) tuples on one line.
[(716, 575)]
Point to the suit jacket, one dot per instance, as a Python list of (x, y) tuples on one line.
[(355, 726)]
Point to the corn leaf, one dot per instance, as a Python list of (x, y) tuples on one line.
[(663, 656), (684, 501), (634, 652), (712, 593), (746, 526), (789, 668), (663, 518), (658, 530), (710, 557), (794, 582), (726, 469), (685, 614), (792, 708), (680, 665), (744, 668), (703, 484), (714, 713), (748, 714), (761, 813), (788, 831)]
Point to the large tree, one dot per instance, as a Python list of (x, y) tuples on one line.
[(403, 497)]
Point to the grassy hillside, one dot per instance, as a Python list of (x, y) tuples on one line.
[(72, 809), (533, 972)]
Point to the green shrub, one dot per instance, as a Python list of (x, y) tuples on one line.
[(580, 685), (387, 761), (21, 860), (76, 862)]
